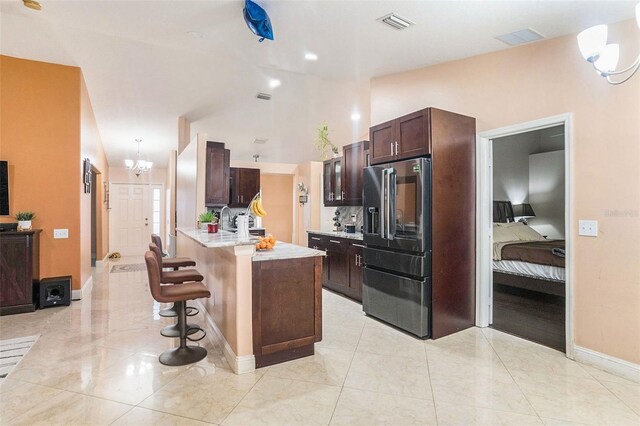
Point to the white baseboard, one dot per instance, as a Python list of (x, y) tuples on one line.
[(239, 364), (608, 363), (84, 291), (102, 262)]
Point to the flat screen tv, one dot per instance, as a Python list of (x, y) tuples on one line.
[(4, 188)]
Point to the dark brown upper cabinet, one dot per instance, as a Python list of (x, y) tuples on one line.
[(343, 176), (333, 188), (355, 160), (216, 191), (405, 137), (244, 184)]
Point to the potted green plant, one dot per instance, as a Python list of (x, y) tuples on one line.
[(206, 218), (322, 142), (24, 220)]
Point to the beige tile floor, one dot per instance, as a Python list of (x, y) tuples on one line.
[(96, 363)]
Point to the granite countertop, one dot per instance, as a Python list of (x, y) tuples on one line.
[(286, 251), (339, 234), (219, 239)]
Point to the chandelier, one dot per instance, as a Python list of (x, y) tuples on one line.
[(139, 166), (604, 57)]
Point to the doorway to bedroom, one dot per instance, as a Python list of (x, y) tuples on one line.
[(523, 287)]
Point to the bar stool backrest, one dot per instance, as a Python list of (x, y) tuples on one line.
[(154, 275), (155, 239), (158, 254)]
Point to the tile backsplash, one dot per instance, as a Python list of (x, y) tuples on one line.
[(345, 217)]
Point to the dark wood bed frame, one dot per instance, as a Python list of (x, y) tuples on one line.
[(532, 308)]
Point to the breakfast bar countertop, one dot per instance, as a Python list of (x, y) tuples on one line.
[(219, 239), (339, 234), (286, 251)]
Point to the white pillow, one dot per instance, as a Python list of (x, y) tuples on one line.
[(522, 231), (503, 234)]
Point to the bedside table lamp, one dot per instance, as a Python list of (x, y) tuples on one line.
[(524, 212)]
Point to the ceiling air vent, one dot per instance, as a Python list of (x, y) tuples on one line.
[(395, 21), (260, 141), (520, 37), (263, 96)]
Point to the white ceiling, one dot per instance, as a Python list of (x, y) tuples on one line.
[(143, 70)]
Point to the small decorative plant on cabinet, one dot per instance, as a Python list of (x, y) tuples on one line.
[(24, 220), (322, 142)]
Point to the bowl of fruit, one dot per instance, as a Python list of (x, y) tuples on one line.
[(266, 243)]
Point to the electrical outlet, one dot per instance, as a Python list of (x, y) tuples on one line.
[(588, 228), (60, 233)]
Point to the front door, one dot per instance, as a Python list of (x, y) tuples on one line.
[(131, 219)]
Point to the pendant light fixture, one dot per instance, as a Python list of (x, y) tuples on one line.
[(604, 57), (139, 166)]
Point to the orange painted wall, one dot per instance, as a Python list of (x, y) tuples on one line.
[(277, 195), (541, 80), (41, 123)]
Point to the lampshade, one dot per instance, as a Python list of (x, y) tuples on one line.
[(523, 210), (591, 41), (608, 60), (128, 163)]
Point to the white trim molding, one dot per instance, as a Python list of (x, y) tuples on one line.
[(84, 291), (102, 262), (484, 197), (608, 363), (239, 364)]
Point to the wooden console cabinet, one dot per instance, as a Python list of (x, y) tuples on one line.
[(19, 270)]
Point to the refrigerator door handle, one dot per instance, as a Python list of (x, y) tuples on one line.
[(392, 203), (383, 207)]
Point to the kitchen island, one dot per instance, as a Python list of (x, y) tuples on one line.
[(265, 305)]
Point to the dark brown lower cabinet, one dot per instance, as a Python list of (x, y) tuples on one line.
[(342, 265), (19, 270), (287, 309)]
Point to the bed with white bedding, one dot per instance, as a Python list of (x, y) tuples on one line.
[(523, 258)]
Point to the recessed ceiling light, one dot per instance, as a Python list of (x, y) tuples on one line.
[(310, 56), (260, 141), (263, 96), (274, 82), (355, 116), (195, 34)]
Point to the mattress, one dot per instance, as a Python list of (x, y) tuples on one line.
[(532, 270)]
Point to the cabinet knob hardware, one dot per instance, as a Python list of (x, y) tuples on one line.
[(391, 148), (396, 148), (334, 241), (358, 245), (315, 238)]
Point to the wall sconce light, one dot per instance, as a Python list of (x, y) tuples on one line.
[(303, 198), (604, 57)]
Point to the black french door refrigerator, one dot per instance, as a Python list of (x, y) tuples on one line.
[(397, 235)]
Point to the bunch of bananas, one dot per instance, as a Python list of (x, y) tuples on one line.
[(256, 207)]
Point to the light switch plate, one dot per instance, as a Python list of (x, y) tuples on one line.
[(588, 228), (60, 233)]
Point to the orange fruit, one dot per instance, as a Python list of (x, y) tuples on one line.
[(269, 246)]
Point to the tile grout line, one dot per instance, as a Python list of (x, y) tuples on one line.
[(433, 396), (335, 406), (512, 378), (241, 399), (603, 383)]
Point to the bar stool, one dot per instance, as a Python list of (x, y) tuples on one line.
[(178, 294), (175, 263), (175, 277)]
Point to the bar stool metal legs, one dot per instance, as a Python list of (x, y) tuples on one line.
[(183, 354)]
